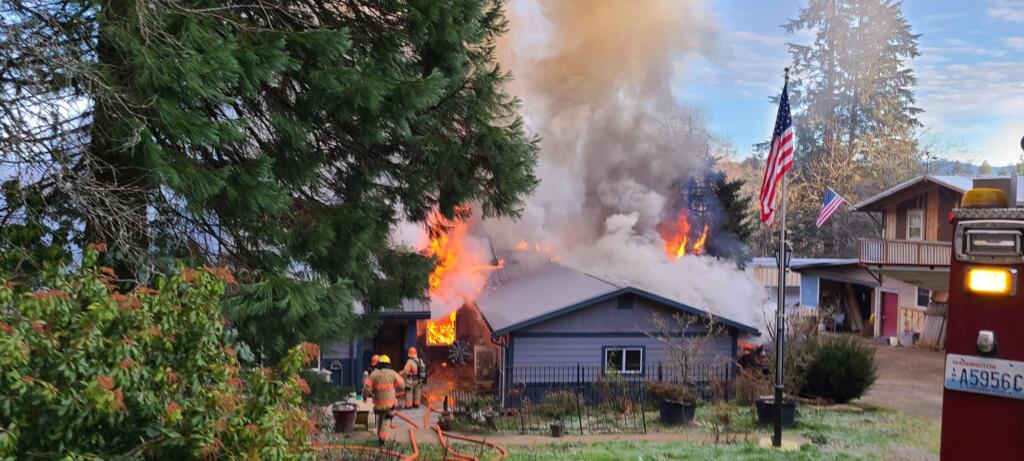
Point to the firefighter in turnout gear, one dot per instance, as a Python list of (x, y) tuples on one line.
[(415, 374), (382, 386)]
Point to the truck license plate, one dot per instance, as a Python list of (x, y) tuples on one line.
[(981, 375)]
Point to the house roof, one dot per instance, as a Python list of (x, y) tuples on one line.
[(798, 265), (552, 290), (956, 183), (794, 262)]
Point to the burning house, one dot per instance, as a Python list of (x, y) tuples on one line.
[(527, 309)]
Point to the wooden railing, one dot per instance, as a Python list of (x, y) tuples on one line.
[(903, 252)]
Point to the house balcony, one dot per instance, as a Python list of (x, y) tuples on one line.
[(878, 252), (924, 264)]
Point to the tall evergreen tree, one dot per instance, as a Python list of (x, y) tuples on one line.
[(985, 168), (854, 114), (284, 139)]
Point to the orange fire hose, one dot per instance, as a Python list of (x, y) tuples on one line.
[(403, 457), (499, 448), (452, 453), (415, 448), (406, 419)]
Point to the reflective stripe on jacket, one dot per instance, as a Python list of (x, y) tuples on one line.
[(381, 385)]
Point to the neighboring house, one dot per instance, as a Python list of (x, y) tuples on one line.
[(766, 272), (909, 265), (554, 316), (845, 286)]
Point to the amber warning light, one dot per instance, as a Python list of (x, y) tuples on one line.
[(992, 281)]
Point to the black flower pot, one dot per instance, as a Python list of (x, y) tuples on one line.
[(766, 411), (676, 412)]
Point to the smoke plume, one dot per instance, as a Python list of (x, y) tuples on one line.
[(596, 81)]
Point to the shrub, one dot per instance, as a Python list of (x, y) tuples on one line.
[(840, 369), (557, 404), (88, 372), (321, 391), (660, 391), (614, 392), (752, 385)]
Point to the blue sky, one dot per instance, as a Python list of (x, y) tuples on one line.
[(970, 73)]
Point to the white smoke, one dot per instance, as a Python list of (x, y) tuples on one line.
[(596, 80)]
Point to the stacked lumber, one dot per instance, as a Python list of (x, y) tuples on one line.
[(852, 308)]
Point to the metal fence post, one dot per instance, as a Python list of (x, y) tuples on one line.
[(579, 412)]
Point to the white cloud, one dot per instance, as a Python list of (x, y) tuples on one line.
[(1016, 43), (1007, 10), (763, 39), (1003, 147), (963, 101)]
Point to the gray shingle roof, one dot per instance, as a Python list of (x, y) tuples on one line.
[(537, 292), (550, 290)]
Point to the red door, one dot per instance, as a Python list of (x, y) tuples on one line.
[(890, 314)]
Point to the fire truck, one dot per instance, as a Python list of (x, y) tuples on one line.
[(983, 399)]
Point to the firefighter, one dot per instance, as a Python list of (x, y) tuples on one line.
[(415, 374), (381, 385)]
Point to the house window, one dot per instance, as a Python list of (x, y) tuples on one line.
[(923, 296), (915, 225), (625, 302), (624, 360)]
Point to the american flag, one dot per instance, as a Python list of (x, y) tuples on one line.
[(780, 158), (830, 203)]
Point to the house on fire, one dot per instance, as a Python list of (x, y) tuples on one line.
[(547, 317)]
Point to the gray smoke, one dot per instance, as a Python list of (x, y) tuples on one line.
[(596, 81)]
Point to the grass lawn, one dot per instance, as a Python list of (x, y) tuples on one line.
[(834, 435)]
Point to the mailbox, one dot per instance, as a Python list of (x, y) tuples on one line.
[(983, 399)]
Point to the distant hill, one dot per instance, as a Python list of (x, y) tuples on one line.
[(954, 167)]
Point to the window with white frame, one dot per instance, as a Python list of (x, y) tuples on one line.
[(623, 359), (923, 296), (915, 225)]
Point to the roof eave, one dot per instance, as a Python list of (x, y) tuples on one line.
[(868, 205)]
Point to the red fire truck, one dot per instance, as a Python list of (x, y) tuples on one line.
[(983, 400)]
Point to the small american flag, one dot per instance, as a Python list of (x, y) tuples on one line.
[(830, 203), (780, 158)]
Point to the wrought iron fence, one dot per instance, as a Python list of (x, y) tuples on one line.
[(585, 398)]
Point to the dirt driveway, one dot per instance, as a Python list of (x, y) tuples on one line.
[(909, 380)]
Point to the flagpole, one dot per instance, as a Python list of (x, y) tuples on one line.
[(780, 314)]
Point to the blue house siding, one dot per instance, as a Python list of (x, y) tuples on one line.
[(809, 290), (544, 352), (567, 351)]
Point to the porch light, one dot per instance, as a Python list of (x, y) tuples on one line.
[(992, 280), (789, 254)]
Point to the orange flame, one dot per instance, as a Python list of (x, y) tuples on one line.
[(676, 234), (441, 332), (459, 275), (537, 247)]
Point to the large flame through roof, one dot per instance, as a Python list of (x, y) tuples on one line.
[(680, 237), (459, 274)]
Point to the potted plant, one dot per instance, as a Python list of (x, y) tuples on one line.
[(766, 410), (677, 403), (558, 428), (447, 421)]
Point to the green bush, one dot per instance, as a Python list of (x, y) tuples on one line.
[(89, 372), (322, 392), (660, 391), (557, 404), (840, 369)]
